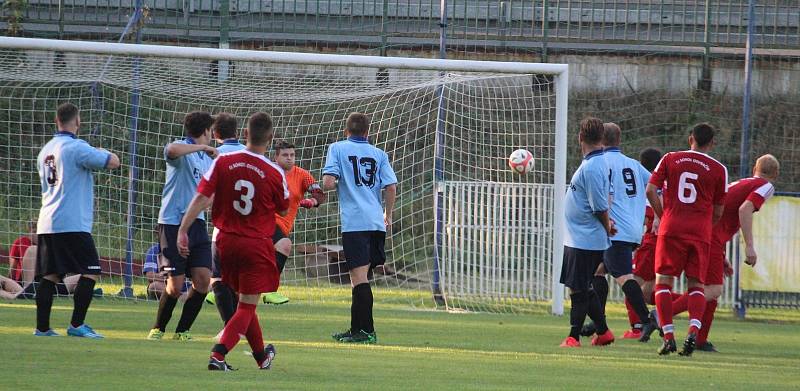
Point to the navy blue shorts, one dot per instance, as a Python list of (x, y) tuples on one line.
[(363, 248), (171, 261), (618, 259), (578, 267), (66, 253)]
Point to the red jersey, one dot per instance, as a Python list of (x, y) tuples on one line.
[(692, 184), (299, 182), (756, 190), (248, 189), (18, 249)]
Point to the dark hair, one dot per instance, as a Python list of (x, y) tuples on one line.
[(282, 144), (357, 124), (224, 126), (650, 158), (196, 123), (592, 130), (66, 112), (703, 134), (259, 128), (611, 134)]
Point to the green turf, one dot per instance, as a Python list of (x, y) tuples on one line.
[(418, 349)]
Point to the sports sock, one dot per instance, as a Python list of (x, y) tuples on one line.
[(224, 299), (192, 307), (238, 324), (577, 313), (633, 293), (708, 318), (355, 315), (165, 307), (364, 293), (697, 305), (256, 339), (44, 303), (633, 319), (664, 308), (82, 299), (600, 286), (29, 292), (595, 312), (680, 303), (281, 259)]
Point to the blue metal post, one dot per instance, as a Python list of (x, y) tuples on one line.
[(744, 154), (438, 165), (133, 179)]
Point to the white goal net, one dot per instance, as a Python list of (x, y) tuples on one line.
[(468, 232)]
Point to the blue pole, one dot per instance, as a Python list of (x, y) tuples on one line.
[(133, 179), (438, 169), (744, 155)]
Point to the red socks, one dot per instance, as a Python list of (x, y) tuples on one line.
[(239, 324), (708, 317), (697, 304), (632, 317), (663, 295), (255, 338)]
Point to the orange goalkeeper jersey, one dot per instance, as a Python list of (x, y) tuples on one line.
[(299, 181)]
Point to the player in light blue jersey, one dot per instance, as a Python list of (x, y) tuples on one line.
[(588, 228), (628, 180), (64, 229), (360, 172), (187, 160)]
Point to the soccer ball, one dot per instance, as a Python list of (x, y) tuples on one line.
[(521, 161)]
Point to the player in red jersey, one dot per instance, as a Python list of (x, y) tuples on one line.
[(745, 197), (246, 190), (693, 187)]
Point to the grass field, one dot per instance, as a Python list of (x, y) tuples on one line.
[(418, 349)]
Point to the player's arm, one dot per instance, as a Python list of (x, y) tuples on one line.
[(331, 171), (746, 211), (199, 203), (112, 161), (328, 182), (598, 192), (718, 211), (317, 195), (96, 158), (390, 194), (175, 150)]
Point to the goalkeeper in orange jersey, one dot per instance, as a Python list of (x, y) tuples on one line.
[(299, 182)]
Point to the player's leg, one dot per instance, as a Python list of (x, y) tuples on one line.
[(600, 286), (696, 268), (9, 289), (223, 296), (155, 289), (670, 259), (618, 260), (174, 265), (86, 262), (283, 249), (715, 277), (48, 271)]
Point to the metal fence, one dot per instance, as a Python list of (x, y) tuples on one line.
[(516, 23)]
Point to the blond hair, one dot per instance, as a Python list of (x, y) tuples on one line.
[(767, 166)]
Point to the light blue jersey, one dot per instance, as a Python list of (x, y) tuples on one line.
[(363, 171), (628, 179), (587, 195), (230, 145), (183, 176), (65, 166)]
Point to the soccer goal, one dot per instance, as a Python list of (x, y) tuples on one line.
[(468, 232)]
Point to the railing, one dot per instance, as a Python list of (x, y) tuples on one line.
[(416, 22)]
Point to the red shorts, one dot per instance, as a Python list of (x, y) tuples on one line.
[(674, 256), (247, 265), (644, 261), (715, 274)]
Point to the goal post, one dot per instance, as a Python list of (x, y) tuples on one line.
[(134, 96)]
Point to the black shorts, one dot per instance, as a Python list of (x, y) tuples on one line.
[(577, 270), (171, 261), (363, 248), (618, 259), (278, 235), (66, 253)]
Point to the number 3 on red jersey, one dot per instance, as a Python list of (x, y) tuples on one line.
[(244, 204)]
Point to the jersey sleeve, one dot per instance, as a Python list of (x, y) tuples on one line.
[(761, 195), (722, 186), (208, 184), (280, 195), (332, 166), (660, 173), (598, 187), (386, 172), (90, 157), (172, 162)]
